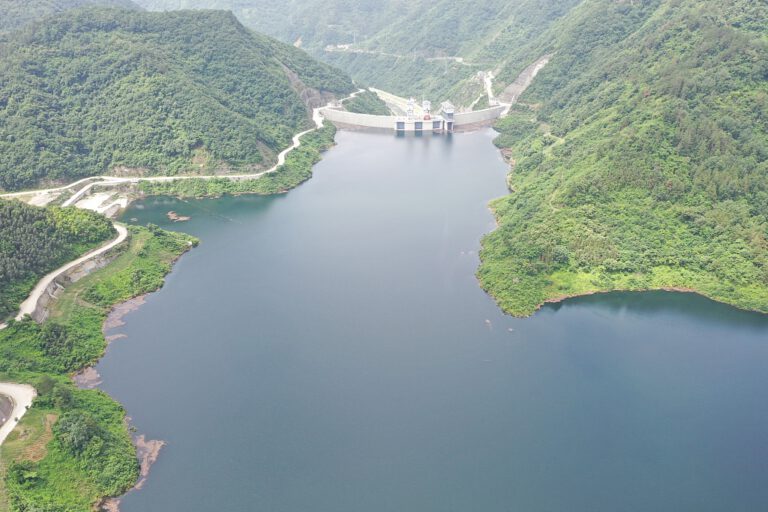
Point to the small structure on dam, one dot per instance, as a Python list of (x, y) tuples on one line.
[(419, 122), (448, 115)]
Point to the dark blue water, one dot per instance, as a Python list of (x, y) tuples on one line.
[(329, 350)]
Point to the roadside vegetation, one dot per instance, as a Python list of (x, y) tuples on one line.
[(296, 170), (640, 157), (73, 448), (35, 241)]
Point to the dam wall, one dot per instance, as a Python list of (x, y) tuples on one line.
[(355, 119), (466, 119), (478, 116)]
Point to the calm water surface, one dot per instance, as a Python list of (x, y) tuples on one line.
[(329, 350)]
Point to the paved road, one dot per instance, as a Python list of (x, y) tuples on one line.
[(16, 398)]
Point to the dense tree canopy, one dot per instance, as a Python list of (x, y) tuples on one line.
[(88, 454)]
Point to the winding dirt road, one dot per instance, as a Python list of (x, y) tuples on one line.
[(317, 118)]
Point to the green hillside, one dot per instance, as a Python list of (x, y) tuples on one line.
[(19, 13), (91, 91), (640, 158)]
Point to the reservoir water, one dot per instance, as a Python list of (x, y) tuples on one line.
[(329, 350)]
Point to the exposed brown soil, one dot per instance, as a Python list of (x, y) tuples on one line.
[(89, 378), (115, 317), (147, 450), (561, 298), (37, 450)]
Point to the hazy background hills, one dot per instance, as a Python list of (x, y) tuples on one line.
[(16, 14), (638, 157), (404, 47)]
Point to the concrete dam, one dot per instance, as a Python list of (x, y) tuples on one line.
[(416, 119)]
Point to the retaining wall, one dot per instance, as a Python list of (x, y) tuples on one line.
[(52, 292)]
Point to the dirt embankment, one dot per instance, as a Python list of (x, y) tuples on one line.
[(523, 81)]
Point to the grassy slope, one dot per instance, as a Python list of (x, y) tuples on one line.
[(134, 89), (61, 480), (643, 162), (40, 470), (37, 471)]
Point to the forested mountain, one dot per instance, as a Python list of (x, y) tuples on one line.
[(35, 241), (18, 13), (408, 48), (640, 157), (91, 90)]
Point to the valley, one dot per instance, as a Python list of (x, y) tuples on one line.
[(380, 340)]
